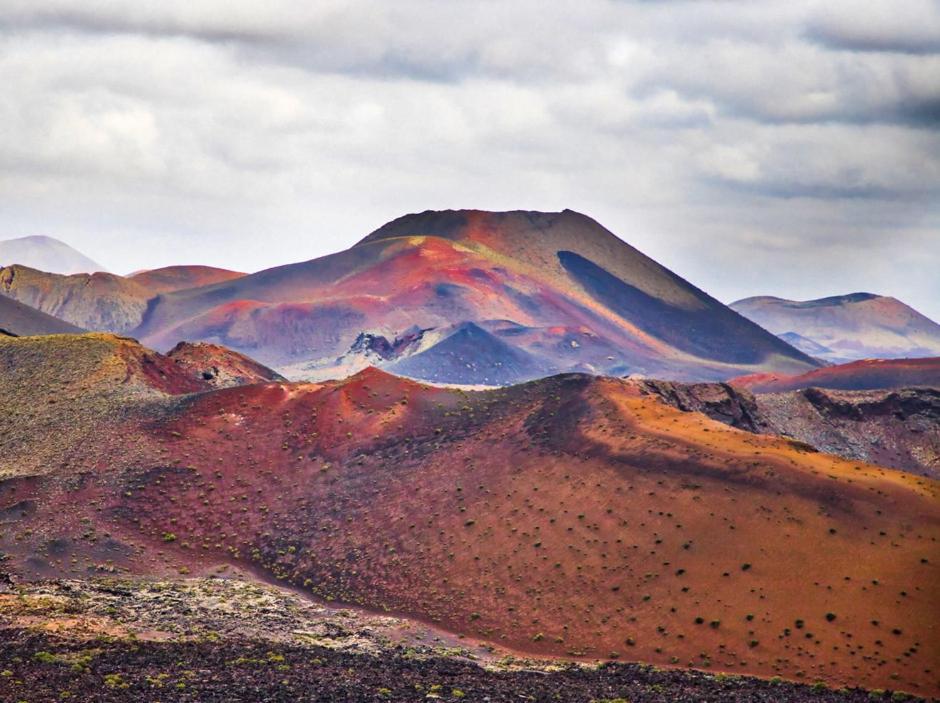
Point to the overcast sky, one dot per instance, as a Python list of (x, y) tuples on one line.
[(788, 148)]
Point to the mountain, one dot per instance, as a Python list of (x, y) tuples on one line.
[(807, 346), (561, 277), (46, 254), (868, 374), (21, 320), (571, 516), (847, 327)]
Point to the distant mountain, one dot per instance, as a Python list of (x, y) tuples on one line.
[(556, 287), (46, 254), (22, 320), (807, 346), (847, 327), (867, 374)]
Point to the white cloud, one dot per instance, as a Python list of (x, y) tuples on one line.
[(248, 134)]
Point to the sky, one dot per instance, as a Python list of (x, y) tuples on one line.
[(784, 148)]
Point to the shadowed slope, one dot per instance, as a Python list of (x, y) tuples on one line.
[(472, 356), (22, 320), (568, 516)]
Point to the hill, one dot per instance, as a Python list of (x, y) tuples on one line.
[(219, 367), (438, 270), (46, 254), (21, 320), (103, 301), (62, 390), (571, 516), (173, 278), (96, 301), (869, 374), (847, 327)]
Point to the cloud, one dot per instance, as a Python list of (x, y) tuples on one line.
[(908, 27), (248, 134)]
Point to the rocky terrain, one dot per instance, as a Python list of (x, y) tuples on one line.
[(219, 367), (892, 428), (228, 640)]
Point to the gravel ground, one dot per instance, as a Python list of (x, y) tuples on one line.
[(35, 667)]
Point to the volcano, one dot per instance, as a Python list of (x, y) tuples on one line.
[(438, 270)]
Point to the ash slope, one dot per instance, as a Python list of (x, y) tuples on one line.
[(570, 516), (555, 273), (847, 327)]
